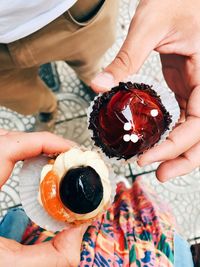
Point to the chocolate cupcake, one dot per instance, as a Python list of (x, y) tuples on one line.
[(128, 120)]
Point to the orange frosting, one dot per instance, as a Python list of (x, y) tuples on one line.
[(49, 192)]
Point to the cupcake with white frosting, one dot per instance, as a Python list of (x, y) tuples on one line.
[(75, 188)]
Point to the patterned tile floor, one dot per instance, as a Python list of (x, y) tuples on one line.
[(182, 193)]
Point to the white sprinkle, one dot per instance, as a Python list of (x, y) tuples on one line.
[(127, 126), (127, 137), (154, 112), (134, 138)]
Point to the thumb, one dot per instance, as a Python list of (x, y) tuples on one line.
[(68, 243), (145, 32)]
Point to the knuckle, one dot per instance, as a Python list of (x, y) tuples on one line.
[(189, 161), (123, 60), (73, 263)]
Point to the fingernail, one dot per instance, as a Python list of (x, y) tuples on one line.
[(143, 164), (104, 80)]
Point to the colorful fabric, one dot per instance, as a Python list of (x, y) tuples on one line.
[(136, 231)]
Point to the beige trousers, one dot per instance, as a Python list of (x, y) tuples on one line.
[(80, 37)]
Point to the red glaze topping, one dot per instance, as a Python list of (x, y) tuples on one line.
[(128, 120)]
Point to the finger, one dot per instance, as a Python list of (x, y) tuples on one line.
[(20, 146), (179, 141), (6, 170), (6, 132), (8, 244), (145, 32), (168, 48), (173, 67), (182, 117), (181, 138), (68, 243), (181, 165), (26, 145), (3, 132), (177, 42)]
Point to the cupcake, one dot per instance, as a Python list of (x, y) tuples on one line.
[(75, 188), (128, 120)]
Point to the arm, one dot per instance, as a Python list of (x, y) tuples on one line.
[(172, 28)]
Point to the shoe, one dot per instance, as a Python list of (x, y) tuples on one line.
[(88, 90), (46, 116), (49, 74), (195, 249), (45, 121)]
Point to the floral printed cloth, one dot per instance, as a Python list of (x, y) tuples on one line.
[(137, 230)]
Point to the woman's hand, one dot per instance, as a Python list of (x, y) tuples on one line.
[(62, 251), (16, 146), (172, 28)]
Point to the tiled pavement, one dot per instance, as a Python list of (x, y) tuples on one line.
[(182, 193)]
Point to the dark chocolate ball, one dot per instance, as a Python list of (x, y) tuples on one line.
[(128, 120), (81, 190)]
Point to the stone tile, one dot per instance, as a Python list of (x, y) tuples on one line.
[(182, 193)]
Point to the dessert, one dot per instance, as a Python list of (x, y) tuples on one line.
[(128, 120), (75, 188)]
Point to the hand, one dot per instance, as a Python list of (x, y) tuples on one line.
[(62, 251), (172, 28), (16, 146)]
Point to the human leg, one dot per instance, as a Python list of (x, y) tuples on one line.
[(96, 33), (81, 36), (14, 224), (21, 88), (80, 43), (23, 91), (182, 253)]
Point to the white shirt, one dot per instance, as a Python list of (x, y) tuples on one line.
[(19, 18)]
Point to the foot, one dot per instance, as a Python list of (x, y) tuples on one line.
[(46, 116), (45, 121)]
